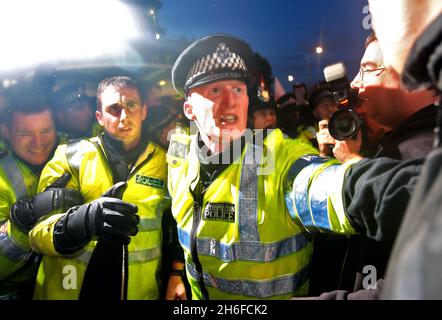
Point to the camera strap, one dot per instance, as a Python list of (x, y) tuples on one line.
[(437, 130)]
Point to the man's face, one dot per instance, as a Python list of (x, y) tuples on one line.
[(219, 110), (264, 119), (122, 115), (32, 136), (397, 24), (379, 89), (325, 108), (78, 117)]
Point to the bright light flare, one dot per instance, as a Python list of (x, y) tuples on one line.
[(319, 50), (33, 32)]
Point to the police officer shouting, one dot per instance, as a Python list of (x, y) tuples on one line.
[(241, 238)]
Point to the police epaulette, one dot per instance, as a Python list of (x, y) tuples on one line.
[(179, 146)]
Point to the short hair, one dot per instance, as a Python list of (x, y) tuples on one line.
[(371, 38), (26, 100), (118, 83)]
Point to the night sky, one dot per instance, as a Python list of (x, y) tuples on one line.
[(285, 32)]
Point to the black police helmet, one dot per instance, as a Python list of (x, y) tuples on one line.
[(213, 58), (70, 94)]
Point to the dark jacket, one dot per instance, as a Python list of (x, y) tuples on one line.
[(338, 262), (412, 139), (415, 264)]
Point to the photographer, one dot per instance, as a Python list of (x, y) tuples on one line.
[(399, 123), (323, 104), (410, 38)]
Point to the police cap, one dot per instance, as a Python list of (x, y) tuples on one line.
[(264, 103), (212, 58), (287, 102), (70, 94)]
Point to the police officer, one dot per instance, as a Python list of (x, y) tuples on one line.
[(164, 119), (30, 134), (293, 120), (111, 246), (264, 115), (73, 113), (237, 211)]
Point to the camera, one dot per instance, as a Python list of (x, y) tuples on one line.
[(345, 123)]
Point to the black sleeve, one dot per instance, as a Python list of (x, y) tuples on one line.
[(171, 246), (377, 192)]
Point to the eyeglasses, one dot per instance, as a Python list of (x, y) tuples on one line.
[(363, 72)]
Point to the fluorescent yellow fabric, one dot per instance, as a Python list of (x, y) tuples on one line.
[(274, 227), (14, 247), (264, 253), (61, 277)]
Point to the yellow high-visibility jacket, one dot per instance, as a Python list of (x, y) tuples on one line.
[(61, 277), (246, 236), (17, 181), (65, 138)]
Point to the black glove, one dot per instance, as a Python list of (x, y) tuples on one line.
[(103, 217), (26, 212)]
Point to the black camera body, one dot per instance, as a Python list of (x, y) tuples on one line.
[(345, 123)]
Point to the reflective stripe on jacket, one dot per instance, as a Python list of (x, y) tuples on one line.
[(314, 194), (60, 277), (248, 245), (17, 181)]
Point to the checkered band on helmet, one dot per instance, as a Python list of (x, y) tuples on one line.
[(221, 59), (69, 94), (77, 96)]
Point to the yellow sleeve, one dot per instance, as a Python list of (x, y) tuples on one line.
[(314, 194), (41, 236), (55, 168), (14, 247), (7, 197)]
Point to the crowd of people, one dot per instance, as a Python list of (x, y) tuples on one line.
[(224, 193)]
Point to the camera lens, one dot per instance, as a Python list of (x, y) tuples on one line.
[(344, 124)]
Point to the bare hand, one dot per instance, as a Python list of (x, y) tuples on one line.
[(325, 140), (175, 288), (347, 150)]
